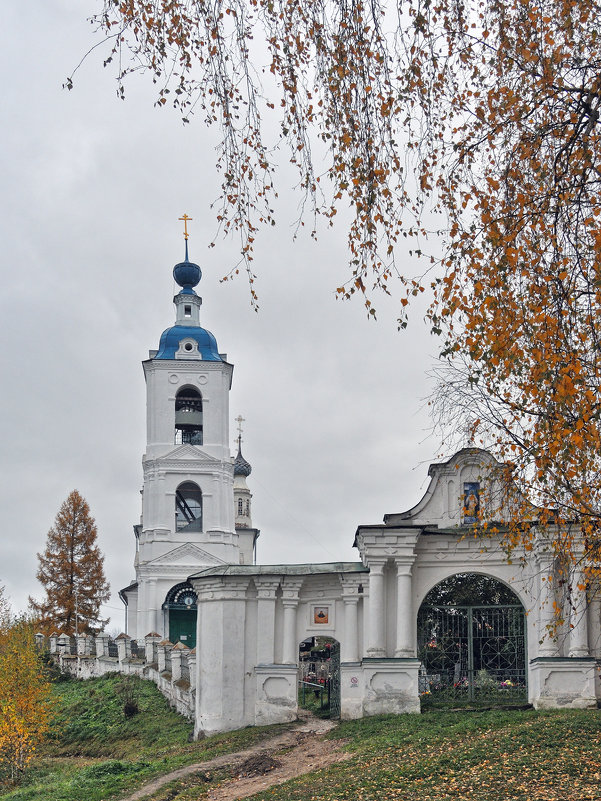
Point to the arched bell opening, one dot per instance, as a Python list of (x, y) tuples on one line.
[(180, 606), (471, 641), (188, 507), (319, 675), (188, 416)]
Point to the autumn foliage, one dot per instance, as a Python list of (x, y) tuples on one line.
[(71, 570), (24, 694), (467, 129)]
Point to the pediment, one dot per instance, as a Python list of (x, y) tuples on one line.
[(186, 555), (186, 453)]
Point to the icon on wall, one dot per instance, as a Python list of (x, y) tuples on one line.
[(321, 614), (471, 501)]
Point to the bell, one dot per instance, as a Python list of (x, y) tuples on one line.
[(187, 418)]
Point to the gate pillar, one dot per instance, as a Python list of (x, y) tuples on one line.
[(266, 589), (221, 681), (557, 682), (390, 686)]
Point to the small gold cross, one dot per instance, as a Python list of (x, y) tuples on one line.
[(185, 219)]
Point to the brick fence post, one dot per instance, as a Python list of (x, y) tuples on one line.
[(123, 646), (192, 667), (150, 643), (102, 644)]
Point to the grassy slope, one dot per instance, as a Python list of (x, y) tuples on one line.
[(480, 756), (96, 753)]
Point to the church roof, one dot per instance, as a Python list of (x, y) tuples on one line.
[(282, 570), (171, 337)]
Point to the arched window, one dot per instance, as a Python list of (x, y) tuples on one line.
[(240, 506), (188, 416), (188, 507)]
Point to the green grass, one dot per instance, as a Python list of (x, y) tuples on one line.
[(96, 753), (456, 756)]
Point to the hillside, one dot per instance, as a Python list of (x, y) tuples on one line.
[(97, 753)]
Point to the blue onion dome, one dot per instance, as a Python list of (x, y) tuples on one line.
[(187, 274), (241, 466), (171, 338)]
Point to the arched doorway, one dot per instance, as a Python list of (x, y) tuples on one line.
[(471, 632), (180, 605), (319, 676)]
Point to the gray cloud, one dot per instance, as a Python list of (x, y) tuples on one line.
[(93, 187)]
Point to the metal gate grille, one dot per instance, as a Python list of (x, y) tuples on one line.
[(335, 681), (472, 654)]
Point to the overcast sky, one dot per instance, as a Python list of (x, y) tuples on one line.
[(337, 429)]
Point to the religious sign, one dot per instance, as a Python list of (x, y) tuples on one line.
[(471, 502), (321, 615)]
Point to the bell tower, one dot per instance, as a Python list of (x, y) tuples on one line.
[(187, 520)]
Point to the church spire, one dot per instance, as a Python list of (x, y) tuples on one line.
[(242, 495), (241, 466), (187, 275)]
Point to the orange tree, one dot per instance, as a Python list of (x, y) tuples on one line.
[(477, 118), (71, 570), (24, 694)]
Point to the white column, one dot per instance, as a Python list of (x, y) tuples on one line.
[(151, 611), (266, 589), (546, 611), (404, 612), (578, 616), (350, 644), (290, 645), (594, 623), (290, 591), (376, 639)]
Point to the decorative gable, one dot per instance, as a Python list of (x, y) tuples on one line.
[(187, 555), (187, 453), (457, 489)]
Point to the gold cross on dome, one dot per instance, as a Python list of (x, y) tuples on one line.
[(185, 219)]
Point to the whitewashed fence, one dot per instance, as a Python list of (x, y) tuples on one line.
[(171, 667)]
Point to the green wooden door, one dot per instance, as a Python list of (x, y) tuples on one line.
[(182, 626)]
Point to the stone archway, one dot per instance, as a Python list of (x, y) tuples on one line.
[(319, 675), (181, 608), (471, 634)]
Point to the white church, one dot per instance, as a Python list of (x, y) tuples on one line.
[(396, 640)]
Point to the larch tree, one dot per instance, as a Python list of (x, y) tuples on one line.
[(71, 570), (466, 128)]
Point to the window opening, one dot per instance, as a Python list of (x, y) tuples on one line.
[(188, 416), (188, 507)]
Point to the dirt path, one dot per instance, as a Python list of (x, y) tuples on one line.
[(264, 765)]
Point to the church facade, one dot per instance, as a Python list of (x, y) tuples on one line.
[(197, 582)]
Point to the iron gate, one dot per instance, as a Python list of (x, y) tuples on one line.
[(335, 681), (472, 654)]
